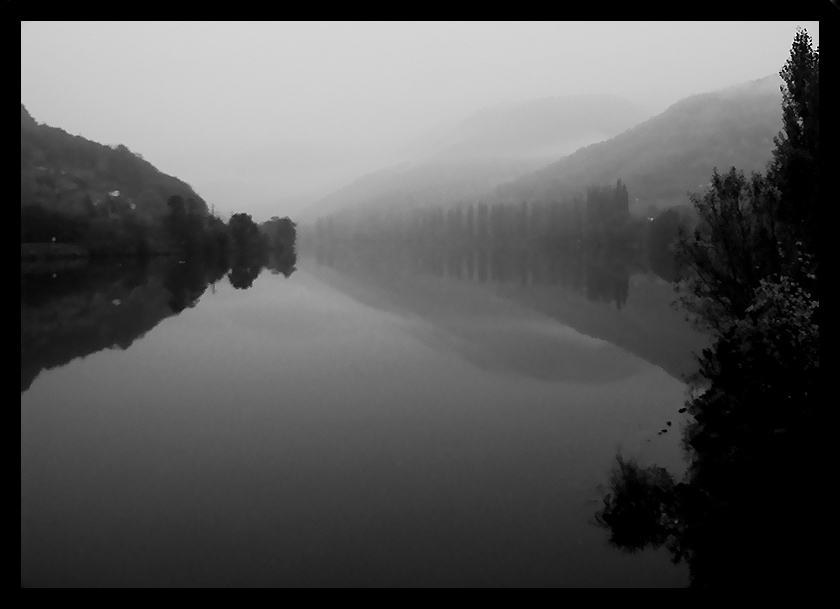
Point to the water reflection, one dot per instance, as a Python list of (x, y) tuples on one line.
[(740, 515), (187, 280), (287, 435), (590, 293), (602, 278), (739, 518), (244, 270), (70, 310)]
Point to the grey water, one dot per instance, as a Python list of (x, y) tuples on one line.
[(342, 427)]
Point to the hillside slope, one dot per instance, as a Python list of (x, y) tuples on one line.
[(71, 174), (663, 158), (492, 146)]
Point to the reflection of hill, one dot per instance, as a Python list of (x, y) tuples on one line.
[(490, 332), (510, 323), (75, 312), (646, 325)]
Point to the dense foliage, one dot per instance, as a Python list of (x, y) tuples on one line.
[(750, 272), (107, 201)]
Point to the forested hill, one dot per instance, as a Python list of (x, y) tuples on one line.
[(674, 152), (73, 175)]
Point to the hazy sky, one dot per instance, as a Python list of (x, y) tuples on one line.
[(264, 117)]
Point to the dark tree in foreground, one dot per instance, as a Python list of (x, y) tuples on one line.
[(734, 247), (750, 272), (796, 160), (762, 229)]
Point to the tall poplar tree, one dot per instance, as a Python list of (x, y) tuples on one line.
[(795, 170)]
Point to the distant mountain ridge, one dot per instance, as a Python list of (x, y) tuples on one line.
[(663, 158), (490, 147), (526, 128), (555, 148)]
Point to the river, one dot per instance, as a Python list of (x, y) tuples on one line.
[(343, 426)]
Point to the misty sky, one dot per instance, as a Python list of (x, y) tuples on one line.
[(266, 117)]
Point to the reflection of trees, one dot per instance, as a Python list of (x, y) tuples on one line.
[(547, 280), (601, 278), (44, 283), (454, 264), (499, 266), (482, 265), (282, 262), (71, 313), (739, 516), (245, 269), (641, 511), (72, 310), (607, 281), (185, 281)]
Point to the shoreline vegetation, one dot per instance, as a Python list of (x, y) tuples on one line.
[(749, 275), (81, 200)]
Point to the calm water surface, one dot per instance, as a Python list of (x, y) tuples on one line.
[(338, 428)]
